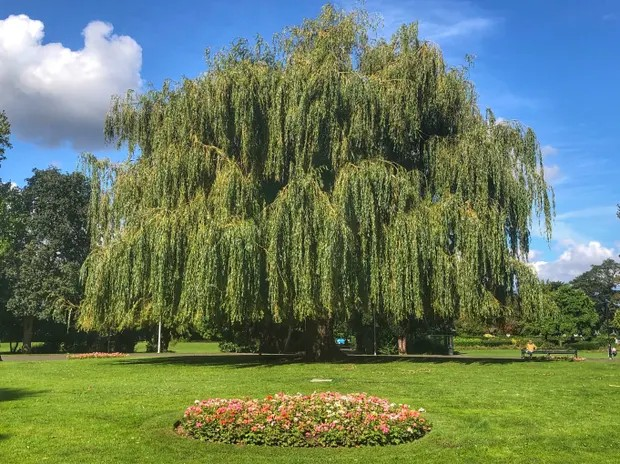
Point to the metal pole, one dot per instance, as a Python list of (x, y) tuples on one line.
[(159, 336), (374, 331)]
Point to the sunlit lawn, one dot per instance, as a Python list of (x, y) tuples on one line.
[(122, 411), (185, 347), (516, 353)]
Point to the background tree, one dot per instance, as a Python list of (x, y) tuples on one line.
[(325, 178), (5, 132), (616, 319), (601, 283), (11, 234), (572, 312), (9, 231), (44, 274)]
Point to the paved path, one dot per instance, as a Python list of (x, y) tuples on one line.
[(267, 357)]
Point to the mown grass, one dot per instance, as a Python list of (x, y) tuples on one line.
[(185, 347), (122, 410), (515, 353)]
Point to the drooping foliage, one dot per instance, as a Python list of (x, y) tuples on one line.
[(309, 254), (324, 174)]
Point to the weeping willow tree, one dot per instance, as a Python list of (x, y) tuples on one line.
[(326, 176)]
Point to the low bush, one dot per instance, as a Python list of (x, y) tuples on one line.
[(596, 344), (483, 342), (232, 347), (321, 419)]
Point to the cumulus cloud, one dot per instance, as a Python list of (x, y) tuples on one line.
[(575, 260), (52, 94)]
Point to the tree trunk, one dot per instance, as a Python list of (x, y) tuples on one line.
[(320, 343), (402, 344), (289, 334), (28, 332), (402, 336)]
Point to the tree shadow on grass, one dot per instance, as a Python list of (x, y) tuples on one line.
[(271, 360), (12, 394)]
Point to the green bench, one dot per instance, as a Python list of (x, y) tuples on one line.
[(526, 354)]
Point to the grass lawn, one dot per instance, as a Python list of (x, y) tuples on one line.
[(186, 347), (122, 410), (516, 353), (175, 346)]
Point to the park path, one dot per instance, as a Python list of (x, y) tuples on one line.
[(266, 357)]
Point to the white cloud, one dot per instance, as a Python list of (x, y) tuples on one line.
[(575, 260), (589, 213), (532, 255), (439, 20), (549, 150), (553, 174), (437, 31), (53, 94)]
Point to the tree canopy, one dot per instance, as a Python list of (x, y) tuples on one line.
[(601, 283), (326, 175), (571, 312), (51, 243)]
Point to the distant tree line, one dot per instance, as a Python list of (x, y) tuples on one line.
[(585, 307)]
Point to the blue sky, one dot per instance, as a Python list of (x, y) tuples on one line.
[(553, 65)]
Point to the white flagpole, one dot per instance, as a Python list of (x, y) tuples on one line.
[(159, 337)]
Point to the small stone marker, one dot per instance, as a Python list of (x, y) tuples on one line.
[(320, 380)]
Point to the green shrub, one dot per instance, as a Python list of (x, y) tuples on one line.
[(595, 344), (482, 342), (231, 347)]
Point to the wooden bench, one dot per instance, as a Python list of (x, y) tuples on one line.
[(525, 353)]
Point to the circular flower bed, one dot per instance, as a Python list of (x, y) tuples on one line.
[(321, 419)]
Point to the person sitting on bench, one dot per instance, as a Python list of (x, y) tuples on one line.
[(530, 347)]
